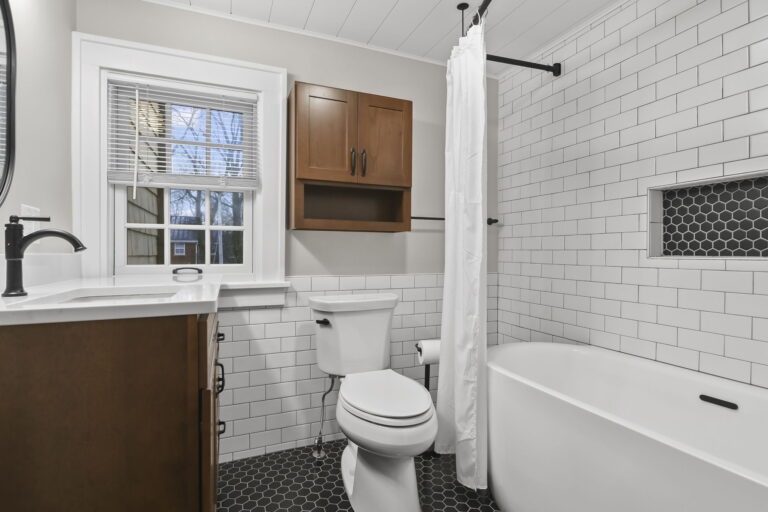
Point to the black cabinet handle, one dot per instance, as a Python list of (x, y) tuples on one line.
[(324, 321), (354, 160), (220, 336), (221, 380), (222, 428), (364, 156)]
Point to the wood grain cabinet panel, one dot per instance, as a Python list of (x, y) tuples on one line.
[(384, 136), (326, 133), (108, 415)]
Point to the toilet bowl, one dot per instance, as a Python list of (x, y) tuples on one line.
[(388, 419)]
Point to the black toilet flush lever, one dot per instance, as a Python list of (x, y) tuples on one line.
[(324, 321)]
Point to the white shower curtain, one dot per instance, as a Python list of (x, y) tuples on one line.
[(461, 395)]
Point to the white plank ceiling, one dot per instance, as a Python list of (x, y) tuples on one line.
[(424, 29)]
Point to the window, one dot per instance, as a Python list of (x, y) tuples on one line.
[(204, 227), (181, 152), (185, 166)]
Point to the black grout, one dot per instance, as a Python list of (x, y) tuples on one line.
[(293, 480)]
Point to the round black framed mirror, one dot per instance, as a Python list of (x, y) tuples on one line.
[(7, 100)]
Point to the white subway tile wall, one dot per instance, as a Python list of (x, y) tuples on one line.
[(273, 385), (653, 93)]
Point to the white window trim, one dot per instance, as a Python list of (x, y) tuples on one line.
[(94, 57)]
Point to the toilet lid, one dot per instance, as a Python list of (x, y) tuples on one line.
[(385, 394)]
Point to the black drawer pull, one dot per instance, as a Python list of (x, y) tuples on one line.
[(220, 336), (222, 428), (324, 321), (221, 381)]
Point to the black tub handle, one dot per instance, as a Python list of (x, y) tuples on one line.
[(719, 401)]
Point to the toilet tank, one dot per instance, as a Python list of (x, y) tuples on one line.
[(352, 331)]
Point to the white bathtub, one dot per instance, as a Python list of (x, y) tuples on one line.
[(583, 429)]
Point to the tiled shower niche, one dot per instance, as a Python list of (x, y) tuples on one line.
[(723, 219)]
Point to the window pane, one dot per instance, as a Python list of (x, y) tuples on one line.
[(148, 206), (193, 242), (187, 207), (226, 247), (145, 246), (151, 118), (226, 162), (226, 127), (187, 123), (227, 208), (188, 159)]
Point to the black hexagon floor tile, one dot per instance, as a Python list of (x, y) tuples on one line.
[(293, 481)]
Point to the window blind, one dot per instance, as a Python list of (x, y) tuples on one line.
[(159, 136)]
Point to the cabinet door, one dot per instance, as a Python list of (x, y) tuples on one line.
[(384, 126), (326, 133), (100, 416)]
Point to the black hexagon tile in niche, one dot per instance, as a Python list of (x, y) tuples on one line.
[(721, 219), (292, 480)]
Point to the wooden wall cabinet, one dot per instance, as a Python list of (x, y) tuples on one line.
[(349, 160), (115, 415)]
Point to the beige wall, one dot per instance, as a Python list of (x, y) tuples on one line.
[(42, 170), (328, 63), (44, 177)]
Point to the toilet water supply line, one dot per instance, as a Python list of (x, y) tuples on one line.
[(317, 451)]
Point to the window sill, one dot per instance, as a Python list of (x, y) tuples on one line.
[(243, 291)]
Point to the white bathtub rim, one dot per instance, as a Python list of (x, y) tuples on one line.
[(693, 452)]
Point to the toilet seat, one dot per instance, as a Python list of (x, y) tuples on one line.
[(386, 398), (386, 422)]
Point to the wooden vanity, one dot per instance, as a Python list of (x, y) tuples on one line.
[(116, 415)]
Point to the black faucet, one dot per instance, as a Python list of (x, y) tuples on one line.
[(15, 245)]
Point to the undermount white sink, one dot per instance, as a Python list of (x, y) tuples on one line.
[(112, 296), (108, 298)]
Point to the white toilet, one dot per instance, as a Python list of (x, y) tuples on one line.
[(388, 418)]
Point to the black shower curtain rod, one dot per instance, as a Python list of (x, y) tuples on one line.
[(555, 69)]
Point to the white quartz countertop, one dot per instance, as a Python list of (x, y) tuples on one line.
[(113, 297)]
